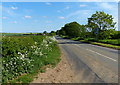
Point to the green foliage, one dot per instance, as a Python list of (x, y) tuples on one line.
[(106, 45), (52, 33), (106, 41), (103, 43), (111, 41), (106, 34), (89, 35), (100, 26), (27, 54), (25, 79), (115, 35), (45, 32), (109, 34), (82, 31), (99, 22), (12, 34), (72, 29), (0, 58), (61, 32)]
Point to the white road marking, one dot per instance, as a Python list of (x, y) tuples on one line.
[(102, 55)]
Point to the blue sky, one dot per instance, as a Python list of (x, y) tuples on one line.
[(25, 17)]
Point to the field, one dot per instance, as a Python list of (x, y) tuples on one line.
[(24, 56)]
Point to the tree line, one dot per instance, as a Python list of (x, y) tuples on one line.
[(99, 26)]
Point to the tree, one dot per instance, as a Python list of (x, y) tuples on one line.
[(52, 33), (82, 31), (106, 34), (115, 34), (45, 32), (61, 32), (71, 29), (100, 21)]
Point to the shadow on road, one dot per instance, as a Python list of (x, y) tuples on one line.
[(68, 41)]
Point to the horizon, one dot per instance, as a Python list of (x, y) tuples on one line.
[(36, 17)]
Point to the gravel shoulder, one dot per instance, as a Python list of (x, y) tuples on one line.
[(62, 73)]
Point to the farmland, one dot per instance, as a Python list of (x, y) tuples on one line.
[(23, 56)]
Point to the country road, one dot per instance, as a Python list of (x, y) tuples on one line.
[(91, 63)]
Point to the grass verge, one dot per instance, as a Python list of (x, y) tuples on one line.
[(101, 44), (105, 43)]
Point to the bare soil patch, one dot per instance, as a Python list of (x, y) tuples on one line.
[(62, 73)]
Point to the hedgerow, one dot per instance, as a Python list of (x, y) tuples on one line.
[(26, 54)]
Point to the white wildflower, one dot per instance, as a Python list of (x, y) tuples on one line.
[(19, 53), (36, 52), (6, 64), (50, 42), (31, 46), (47, 45), (28, 61), (44, 41), (14, 62), (35, 42), (23, 56), (41, 53)]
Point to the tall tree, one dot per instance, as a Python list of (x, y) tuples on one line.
[(100, 21), (72, 29)]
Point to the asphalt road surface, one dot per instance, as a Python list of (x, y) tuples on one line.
[(91, 63)]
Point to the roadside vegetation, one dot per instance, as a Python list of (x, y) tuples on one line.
[(24, 56), (100, 30)]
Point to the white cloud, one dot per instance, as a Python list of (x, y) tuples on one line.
[(67, 7), (8, 11), (44, 16), (79, 13), (27, 17), (82, 5), (14, 22), (61, 17), (47, 3), (14, 8), (112, 8), (48, 21), (4, 17), (107, 6)]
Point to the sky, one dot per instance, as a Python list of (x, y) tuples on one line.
[(24, 17)]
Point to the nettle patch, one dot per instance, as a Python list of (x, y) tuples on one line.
[(24, 54)]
